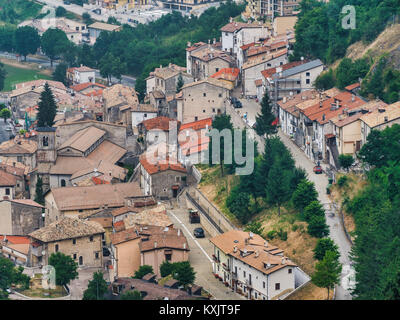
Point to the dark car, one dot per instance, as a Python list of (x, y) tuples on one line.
[(199, 233), (236, 103)]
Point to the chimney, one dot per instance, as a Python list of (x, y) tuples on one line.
[(235, 249), (353, 98), (179, 232), (184, 246), (265, 243), (214, 41), (283, 260), (155, 244), (230, 19), (250, 235), (320, 104), (257, 253)]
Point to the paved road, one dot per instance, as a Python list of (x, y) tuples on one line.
[(252, 108), (200, 255)]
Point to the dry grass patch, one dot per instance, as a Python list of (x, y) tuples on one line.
[(311, 292)]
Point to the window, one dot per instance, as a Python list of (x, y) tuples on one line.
[(91, 238), (73, 241), (263, 284), (56, 248), (45, 141), (196, 118), (220, 95), (308, 81), (277, 286), (204, 110), (307, 74), (63, 183), (7, 191), (216, 69), (204, 94), (244, 274), (19, 158), (168, 256), (96, 255), (145, 115), (213, 110), (74, 256), (290, 271), (255, 295)]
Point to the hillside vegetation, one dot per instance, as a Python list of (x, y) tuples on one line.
[(16, 11)]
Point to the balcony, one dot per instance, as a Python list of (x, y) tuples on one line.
[(225, 267)]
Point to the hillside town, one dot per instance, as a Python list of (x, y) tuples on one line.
[(113, 181)]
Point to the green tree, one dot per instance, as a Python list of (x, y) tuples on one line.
[(327, 272), (47, 108), (266, 118), (131, 295), (317, 227), (3, 74), (54, 41), (184, 273), (27, 41), (180, 84), (324, 245), (65, 266), (313, 209), (142, 271), (238, 203), (97, 287), (60, 73), (304, 194), (325, 81), (61, 11), (87, 19), (39, 197), (278, 185), (346, 161), (392, 288), (255, 227), (220, 123), (5, 114), (111, 66), (166, 268), (6, 276)]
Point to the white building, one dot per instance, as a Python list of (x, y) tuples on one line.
[(142, 112), (253, 267)]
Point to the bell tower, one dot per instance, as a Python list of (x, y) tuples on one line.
[(46, 152)]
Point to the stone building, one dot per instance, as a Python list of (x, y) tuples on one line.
[(81, 240), (203, 99), (20, 217)]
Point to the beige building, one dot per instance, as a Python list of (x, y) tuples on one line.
[(81, 240), (253, 267), (147, 245), (74, 201), (19, 150), (379, 119), (203, 99)]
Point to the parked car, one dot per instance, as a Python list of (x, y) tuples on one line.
[(317, 169), (8, 128), (236, 103), (67, 2), (199, 233)]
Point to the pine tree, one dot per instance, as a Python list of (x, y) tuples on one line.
[(327, 272), (266, 118), (39, 197), (47, 108), (97, 288)]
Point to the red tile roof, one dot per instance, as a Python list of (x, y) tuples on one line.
[(235, 26), (197, 125), (15, 239), (161, 123), (268, 73), (230, 74), (83, 86), (353, 86), (163, 165)]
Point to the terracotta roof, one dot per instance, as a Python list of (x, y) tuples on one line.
[(161, 123), (107, 151), (262, 59), (93, 197), (196, 142), (197, 125), (169, 71), (27, 202), (236, 26), (67, 228), (15, 239), (7, 179), (40, 83), (162, 237), (83, 69), (211, 81), (123, 236), (253, 251), (377, 117), (119, 211), (353, 86), (229, 74), (210, 53), (196, 46), (268, 73), (119, 226), (83, 86), (162, 165), (18, 146), (119, 94), (83, 139)]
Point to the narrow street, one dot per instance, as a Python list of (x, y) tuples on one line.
[(321, 182), (200, 254)]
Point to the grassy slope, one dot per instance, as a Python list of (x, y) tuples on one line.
[(16, 75), (299, 244), (24, 9)]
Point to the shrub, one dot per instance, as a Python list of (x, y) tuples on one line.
[(271, 234), (342, 181), (142, 271), (317, 227), (166, 268), (282, 234)]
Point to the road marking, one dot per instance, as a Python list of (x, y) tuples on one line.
[(190, 234)]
